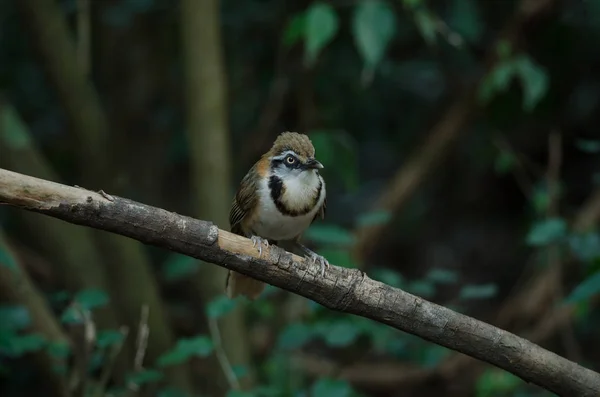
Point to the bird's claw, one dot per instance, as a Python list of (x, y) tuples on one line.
[(258, 243), (318, 258)]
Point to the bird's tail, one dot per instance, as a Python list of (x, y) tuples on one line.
[(239, 284)]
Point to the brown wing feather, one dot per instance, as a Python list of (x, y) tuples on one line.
[(243, 202), (321, 211)]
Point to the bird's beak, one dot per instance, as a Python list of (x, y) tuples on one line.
[(313, 164)]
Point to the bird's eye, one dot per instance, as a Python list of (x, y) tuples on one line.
[(290, 160)]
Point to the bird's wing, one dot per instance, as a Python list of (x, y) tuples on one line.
[(321, 211), (243, 202)]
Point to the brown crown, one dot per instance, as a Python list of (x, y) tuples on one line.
[(299, 143)]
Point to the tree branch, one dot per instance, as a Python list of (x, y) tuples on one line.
[(342, 289)]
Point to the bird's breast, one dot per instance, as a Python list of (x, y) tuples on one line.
[(272, 223)]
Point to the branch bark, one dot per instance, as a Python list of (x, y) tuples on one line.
[(342, 289)]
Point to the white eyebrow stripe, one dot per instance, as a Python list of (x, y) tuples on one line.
[(284, 154)]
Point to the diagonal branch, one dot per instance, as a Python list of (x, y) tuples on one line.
[(342, 289)]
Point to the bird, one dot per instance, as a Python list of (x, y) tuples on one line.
[(279, 198)]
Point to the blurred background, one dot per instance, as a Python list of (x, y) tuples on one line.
[(461, 150)]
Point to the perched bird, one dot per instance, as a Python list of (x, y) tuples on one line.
[(276, 201)]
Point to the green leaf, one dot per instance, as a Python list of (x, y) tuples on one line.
[(106, 338), (145, 376), (201, 346), (432, 355), (585, 145), (294, 336), (91, 298), (494, 382), (373, 218), (388, 341), (264, 308), (240, 371), (60, 297), (585, 290), (294, 31), (412, 4), (59, 350), (331, 388), (423, 288), (171, 391), (338, 256), (534, 79), (504, 49), (13, 132), (87, 299), (388, 276), (547, 231), (503, 74), (220, 306), (338, 152), (15, 345), (320, 27), (173, 357), (340, 333), (7, 259), (585, 246), (241, 393), (30, 343), (504, 163), (427, 25), (329, 234), (497, 80), (14, 317), (478, 291), (71, 316), (373, 25), (178, 266), (465, 19), (540, 199), (442, 276), (97, 361), (385, 339)]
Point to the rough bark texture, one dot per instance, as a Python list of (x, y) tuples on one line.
[(344, 290)]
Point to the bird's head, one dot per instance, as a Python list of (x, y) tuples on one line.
[(293, 155)]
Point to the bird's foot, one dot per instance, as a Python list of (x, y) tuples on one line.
[(314, 257), (258, 243)]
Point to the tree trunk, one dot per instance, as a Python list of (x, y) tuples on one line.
[(208, 136)]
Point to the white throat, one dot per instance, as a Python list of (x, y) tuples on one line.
[(300, 189)]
